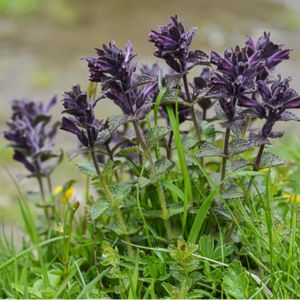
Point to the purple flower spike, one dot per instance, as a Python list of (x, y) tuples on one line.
[(114, 68), (173, 43), (32, 143), (276, 98), (82, 121), (271, 53)]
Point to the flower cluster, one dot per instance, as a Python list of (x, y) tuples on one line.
[(29, 137), (173, 45), (114, 68), (276, 98), (239, 71), (82, 121)]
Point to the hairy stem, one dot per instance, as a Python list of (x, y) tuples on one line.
[(193, 112), (110, 198), (225, 152), (161, 196)]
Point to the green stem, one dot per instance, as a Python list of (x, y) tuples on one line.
[(110, 198), (225, 152), (161, 196), (54, 210), (193, 112), (43, 199)]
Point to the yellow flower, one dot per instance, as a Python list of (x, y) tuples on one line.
[(64, 198), (291, 197)]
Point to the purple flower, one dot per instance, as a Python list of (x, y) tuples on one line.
[(275, 99), (114, 68), (29, 137), (173, 42), (235, 77), (82, 121), (269, 52)]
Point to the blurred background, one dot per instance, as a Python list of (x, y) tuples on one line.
[(43, 41)]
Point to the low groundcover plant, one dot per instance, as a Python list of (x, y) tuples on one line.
[(184, 202)]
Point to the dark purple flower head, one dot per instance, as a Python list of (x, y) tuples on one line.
[(275, 99), (173, 45), (82, 121), (29, 137), (112, 64), (271, 53), (114, 68)]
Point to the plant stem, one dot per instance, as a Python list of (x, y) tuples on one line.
[(43, 199), (87, 202), (54, 210), (255, 168), (193, 113), (161, 196), (225, 152), (95, 247), (110, 198)]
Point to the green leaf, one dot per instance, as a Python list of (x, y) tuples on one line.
[(270, 160), (236, 281), (238, 146), (99, 208), (103, 136), (162, 166), (121, 190), (156, 134), (71, 154), (129, 150), (208, 131), (87, 169), (189, 143), (143, 182), (208, 149), (201, 215)]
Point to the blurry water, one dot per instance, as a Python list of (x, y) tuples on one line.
[(40, 54)]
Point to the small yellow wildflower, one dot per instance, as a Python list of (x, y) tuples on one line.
[(291, 197), (65, 198)]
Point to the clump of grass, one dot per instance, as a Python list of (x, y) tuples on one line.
[(169, 210)]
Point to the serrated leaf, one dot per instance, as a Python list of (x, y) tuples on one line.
[(189, 142), (98, 209), (121, 190), (208, 131), (162, 166), (270, 160), (236, 281), (103, 136), (156, 133), (108, 167), (233, 192), (87, 169), (129, 150), (238, 146), (71, 154), (238, 126), (238, 164), (208, 149), (143, 182), (115, 122)]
